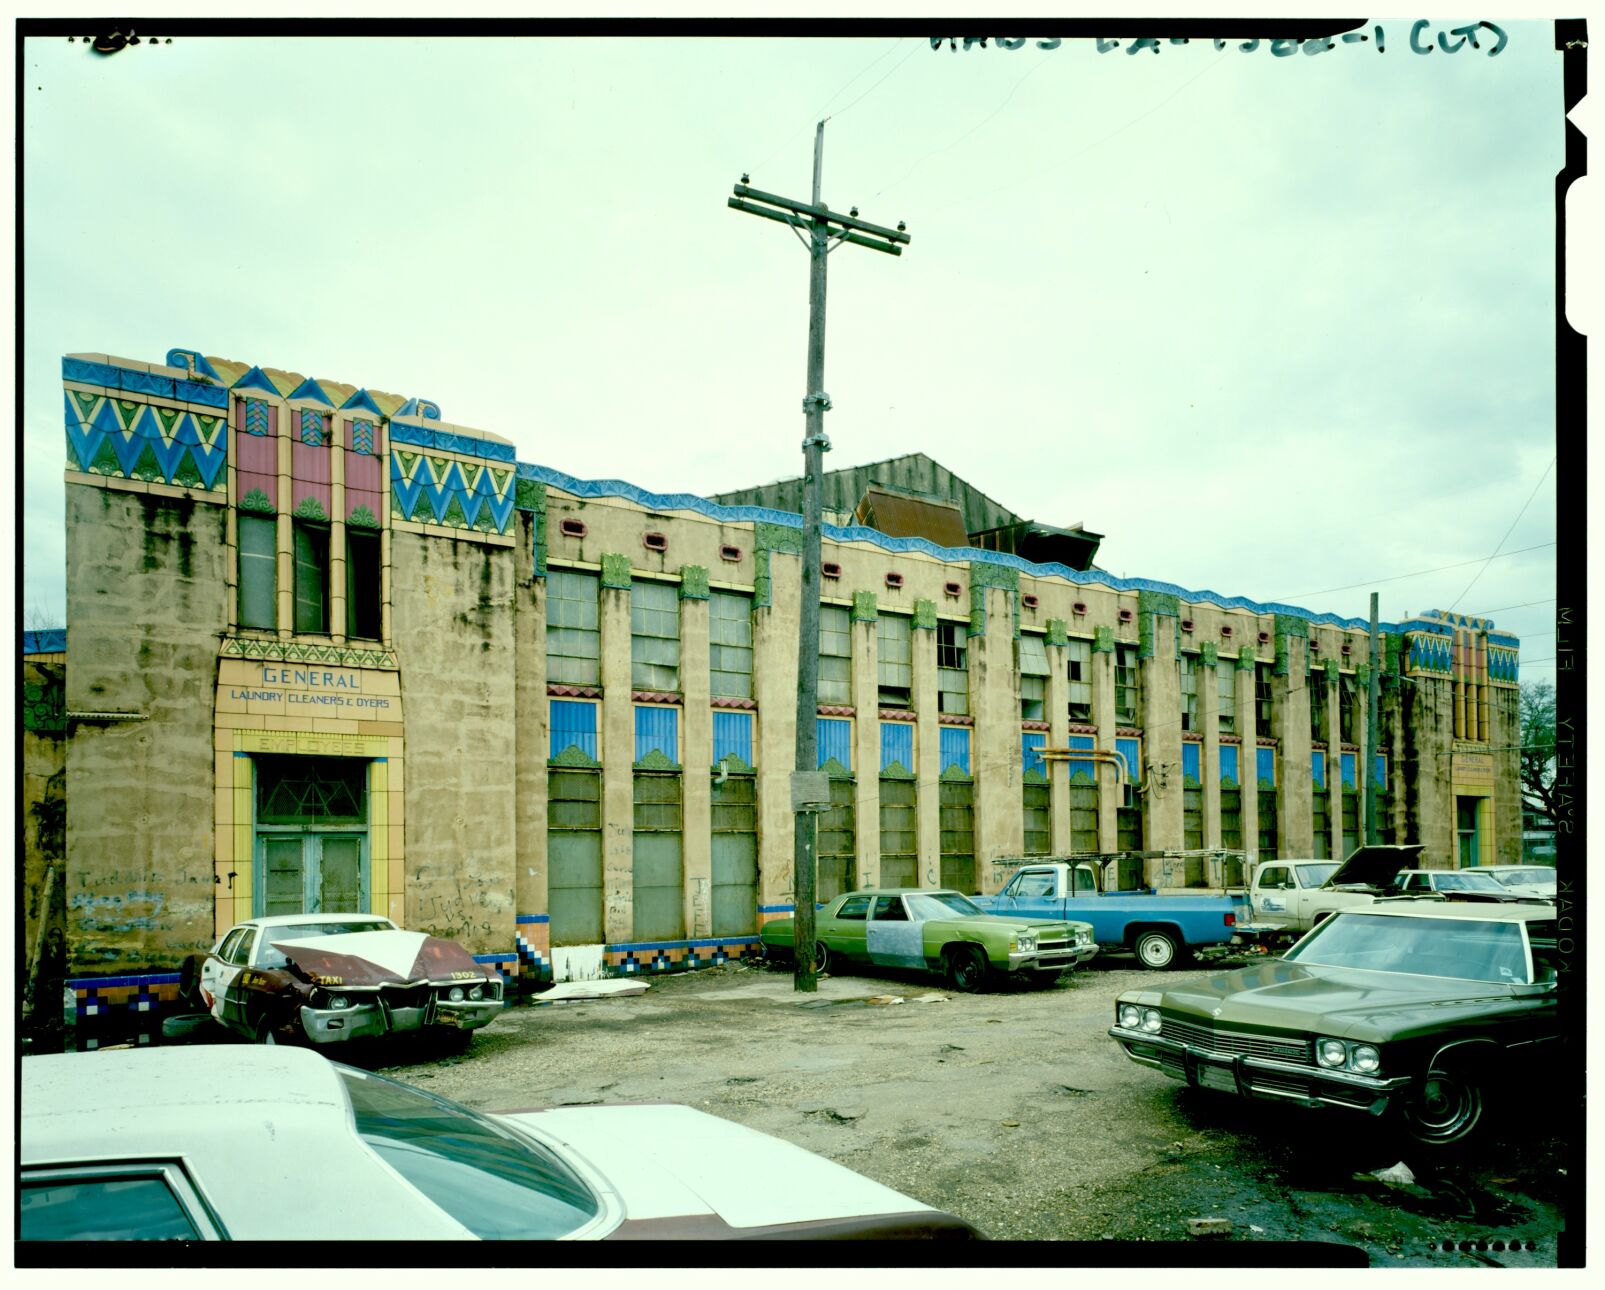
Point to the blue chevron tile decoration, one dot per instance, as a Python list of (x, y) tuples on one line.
[(313, 431), (310, 389), (118, 437), (362, 438), (454, 494), (256, 417)]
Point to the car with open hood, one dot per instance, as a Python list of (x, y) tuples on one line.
[(1296, 894), (273, 1144), (1424, 1008), (331, 978), (937, 930)]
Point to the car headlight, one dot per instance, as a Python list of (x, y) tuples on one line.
[(1331, 1052), (1150, 1020), (1365, 1059), (1129, 1016), (1025, 941), (455, 994), (476, 992), (338, 1001)]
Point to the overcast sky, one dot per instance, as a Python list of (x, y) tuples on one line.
[(1277, 327)]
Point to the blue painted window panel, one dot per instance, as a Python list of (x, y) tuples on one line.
[(1379, 770), (732, 733), (1190, 761), (1083, 765), (1228, 765), (955, 750), (897, 744), (1265, 766), (835, 740), (657, 729), (1131, 750), (573, 725), (1318, 768), (1348, 770), (1031, 743)]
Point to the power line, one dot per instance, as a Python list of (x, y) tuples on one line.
[(820, 112), (1526, 604), (877, 84), (1508, 531), (1419, 573)]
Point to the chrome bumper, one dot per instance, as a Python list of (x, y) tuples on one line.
[(1259, 1076), (333, 1026), (1051, 960)]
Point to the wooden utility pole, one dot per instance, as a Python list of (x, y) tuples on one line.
[(1373, 729), (810, 793)]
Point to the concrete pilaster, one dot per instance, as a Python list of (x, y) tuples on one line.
[(1290, 723), (995, 741), (867, 753), (1334, 766), (928, 759), (1161, 709), (774, 676), (530, 732), (1247, 760), (618, 758), (1209, 761), (1103, 716), (1058, 704), (696, 762)]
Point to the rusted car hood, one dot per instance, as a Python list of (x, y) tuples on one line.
[(382, 958)]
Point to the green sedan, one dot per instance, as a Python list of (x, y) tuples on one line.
[(1420, 1007), (942, 931)]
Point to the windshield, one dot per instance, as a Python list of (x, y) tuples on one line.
[(1471, 949), (1466, 881), (1313, 875), (499, 1186), (268, 956), (941, 904), (1541, 878)]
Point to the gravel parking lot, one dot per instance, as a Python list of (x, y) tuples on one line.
[(1012, 1109)]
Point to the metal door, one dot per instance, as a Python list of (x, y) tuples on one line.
[(311, 873)]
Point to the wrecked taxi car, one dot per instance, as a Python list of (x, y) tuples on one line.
[(942, 931), (272, 1144), (331, 978), (1423, 1008)]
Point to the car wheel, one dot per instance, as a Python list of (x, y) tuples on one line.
[(821, 957), (265, 1034), (1156, 949), (1446, 1109), (966, 968), (189, 984)]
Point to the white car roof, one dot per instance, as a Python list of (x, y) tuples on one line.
[(284, 920), (1406, 906), (263, 1131)]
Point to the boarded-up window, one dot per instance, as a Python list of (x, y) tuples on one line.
[(574, 856), (1192, 817), (1083, 815), (894, 660), (1353, 823), (835, 655), (311, 577), (730, 645), (1317, 691), (1267, 824), (363, 618), (1321, 821), (659, 904), (957, 813), (1226, 688), (1038, 819), (573, 639), (1128, 827), (899, 844), (1262, 699), (1126, 684), (1346, 708), (654, 636), (952, 669), (1231, 818), (1079, 669), (735, 857), (835, 868), (259, 563), (1189, 691), (1033, 678)]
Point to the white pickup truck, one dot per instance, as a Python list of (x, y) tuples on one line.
[(1294, 895)]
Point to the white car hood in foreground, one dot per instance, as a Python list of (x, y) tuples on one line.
[(667, 1161)]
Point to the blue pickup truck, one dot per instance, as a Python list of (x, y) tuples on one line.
[(1159, 929)]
